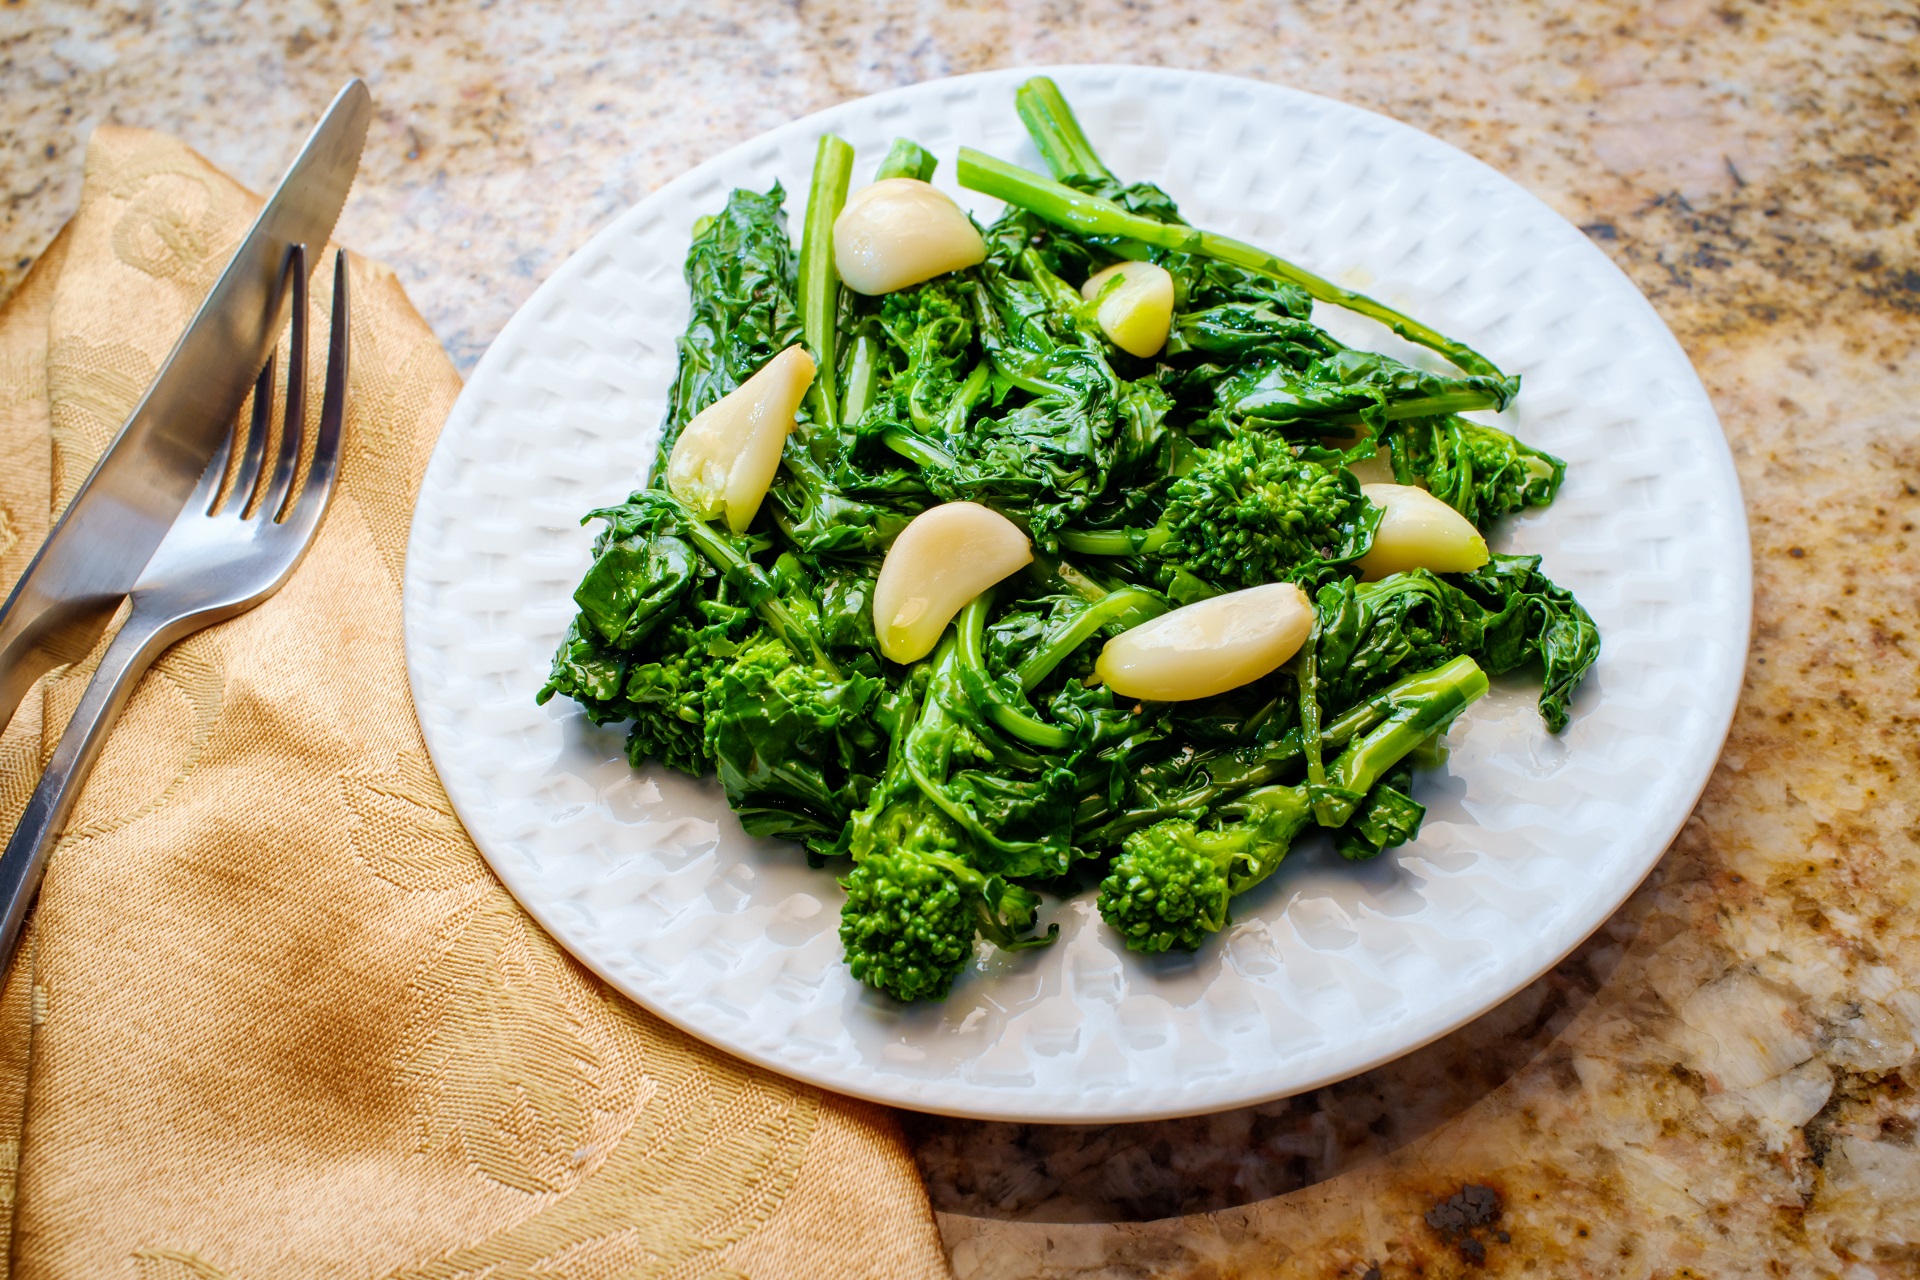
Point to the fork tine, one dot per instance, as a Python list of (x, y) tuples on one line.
[(307, 509), (256, 447), (293, 416), (208, 487)]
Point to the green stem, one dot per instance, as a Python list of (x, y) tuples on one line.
[(929, 773), (915, 449), (1060, 295), (1424, 706), (1446, 403), (1057, 575), (1129, 606), (1282, 814), (1116, 542), (1429, 700), (970, 630), (819, 281), (971, 392), (863, 375), (1307, 679), (1357, 720), (1051, 124), (1093, 216), (759, 590), (907, 159), (1019, 376)]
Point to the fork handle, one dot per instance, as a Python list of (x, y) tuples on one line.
[(127, 658)]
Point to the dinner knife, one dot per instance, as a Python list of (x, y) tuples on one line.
[(62, 604)]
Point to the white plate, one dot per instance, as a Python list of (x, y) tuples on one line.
[(1531, 840)]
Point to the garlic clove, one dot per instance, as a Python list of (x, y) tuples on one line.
[(944, 558), (1209, 646), (726, 458), (1137, 311), (1418, 531), (901, 231)]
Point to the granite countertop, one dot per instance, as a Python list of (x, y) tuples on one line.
[(1725, 1079)]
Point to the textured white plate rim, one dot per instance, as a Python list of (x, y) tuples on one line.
[(961, 1098)]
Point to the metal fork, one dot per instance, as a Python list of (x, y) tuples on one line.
[(219, 559)]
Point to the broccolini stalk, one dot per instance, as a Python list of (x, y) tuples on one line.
[(1171, 882), (907, 159), (923, 884), (1426, 705), (1090, 215), (1056, 132), (1062, 297), (953, 420), (1116, 542), (1306, 679), (819, 281), (1008, 709), (1128, 607), (1062, 577), (917, 449), (1013, 803), (863, 376)]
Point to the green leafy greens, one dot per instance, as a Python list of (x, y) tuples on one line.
[(952, 793)]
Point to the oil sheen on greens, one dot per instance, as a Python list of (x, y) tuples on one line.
[(948, 795)]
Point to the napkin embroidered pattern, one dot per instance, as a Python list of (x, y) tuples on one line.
[(275, 1017)]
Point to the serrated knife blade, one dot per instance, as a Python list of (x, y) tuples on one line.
[(61, 605)]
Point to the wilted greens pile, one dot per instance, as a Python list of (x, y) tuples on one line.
[(946, 794)]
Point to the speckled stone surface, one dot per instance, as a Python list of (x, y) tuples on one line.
[(1725, 1081)]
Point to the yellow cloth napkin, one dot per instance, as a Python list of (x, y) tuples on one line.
[(275, 1017)]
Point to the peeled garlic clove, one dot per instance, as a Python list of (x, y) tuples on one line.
[(900, 231), (1209, 646), (727, 456), (1137, 312), (944, 558), (1418, 531)]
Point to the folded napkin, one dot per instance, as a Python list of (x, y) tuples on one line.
[(275, 1017)]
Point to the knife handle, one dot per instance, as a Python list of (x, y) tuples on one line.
[(37, 635), (133, 650)]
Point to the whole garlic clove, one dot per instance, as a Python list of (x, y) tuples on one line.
[(1209, 646), (1137, 312), (726, 458), (1418, 531), (901, 231), (944, 558)]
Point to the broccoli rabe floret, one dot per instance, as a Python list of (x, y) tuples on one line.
[(1251, 511), (906, 926), (915, 903), (1169, 885)]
